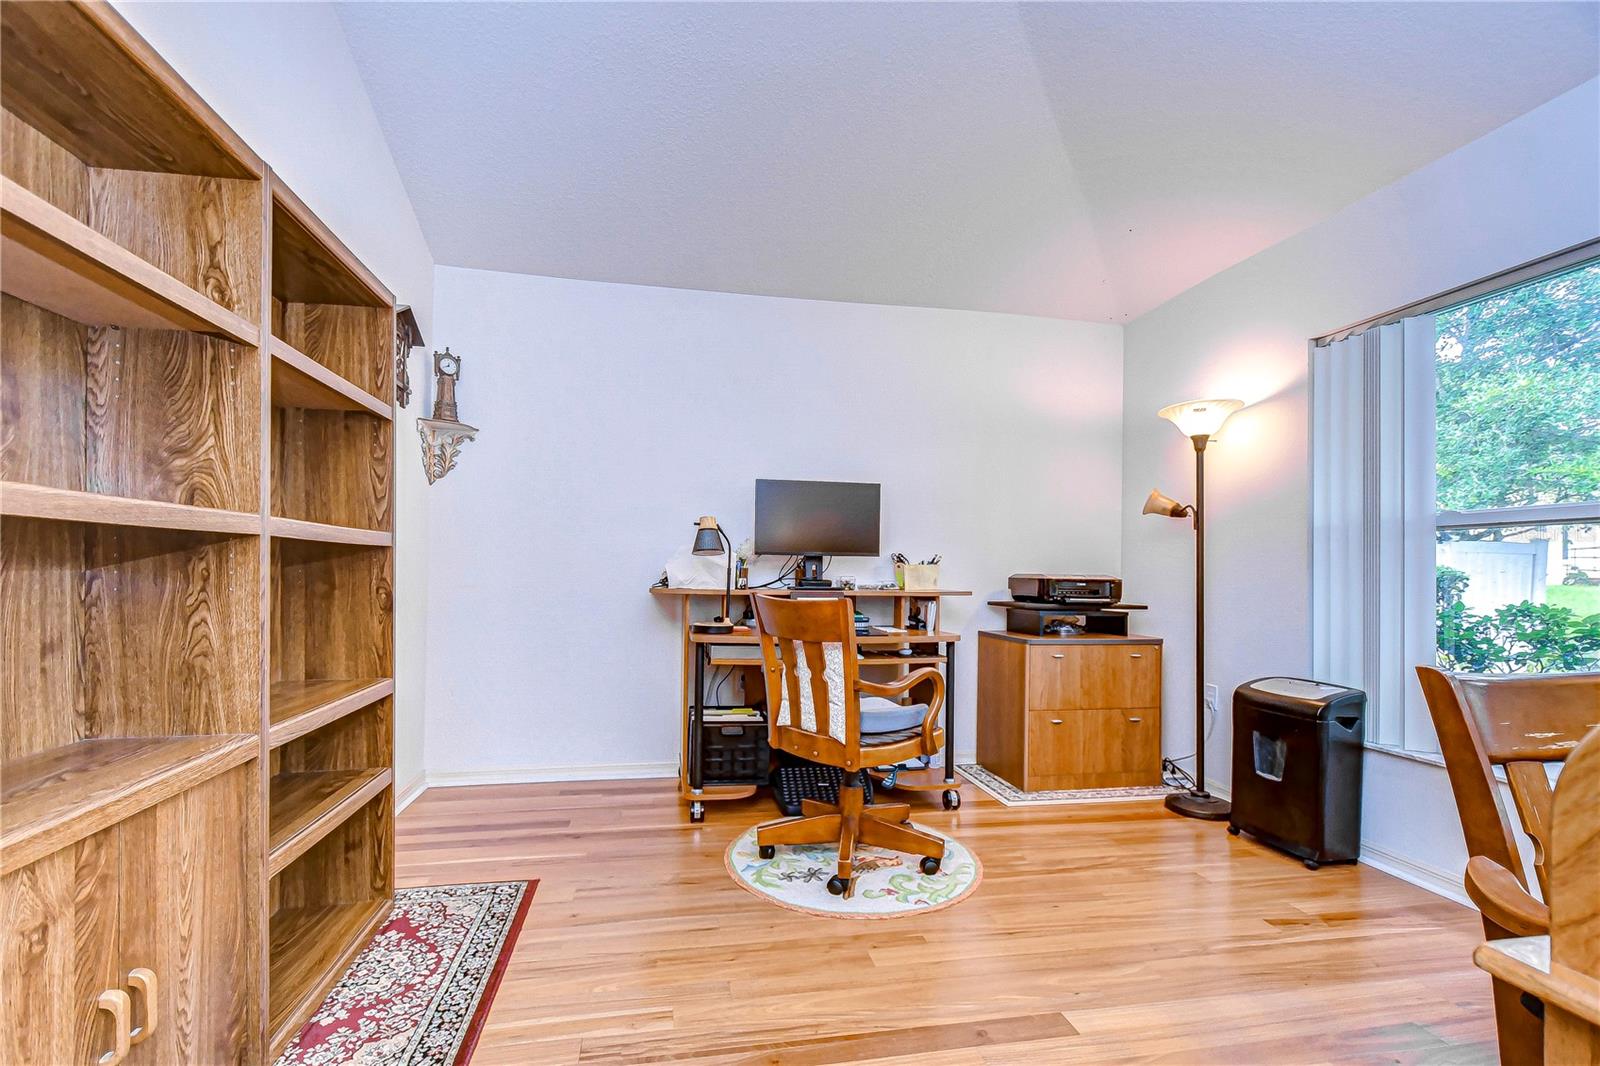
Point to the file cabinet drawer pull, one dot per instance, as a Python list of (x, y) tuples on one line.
[(143, 981), (115, 1001)]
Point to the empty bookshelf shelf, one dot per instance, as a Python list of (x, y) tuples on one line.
[(299, 707), (58, 796)]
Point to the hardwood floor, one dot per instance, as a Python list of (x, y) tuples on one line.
[(1132, 936)]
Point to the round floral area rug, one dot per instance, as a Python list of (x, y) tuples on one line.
[(889, 884)]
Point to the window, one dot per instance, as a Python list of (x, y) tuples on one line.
[(1456, 492), (1518, 452)]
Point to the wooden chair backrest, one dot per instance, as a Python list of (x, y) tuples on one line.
[(1521, 723), (1575, 862), (808, 648)]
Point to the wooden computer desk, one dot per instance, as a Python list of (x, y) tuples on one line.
[(699, 652)]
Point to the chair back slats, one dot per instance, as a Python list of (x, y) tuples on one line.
[(817, 681), (1530, 789), (813, 710), (1532, 717)]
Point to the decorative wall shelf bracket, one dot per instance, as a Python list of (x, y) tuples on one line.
[(441, 444)]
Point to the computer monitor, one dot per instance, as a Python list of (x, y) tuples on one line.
[(816, 518)]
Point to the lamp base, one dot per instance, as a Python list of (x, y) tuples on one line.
[(1201, 805), (718, 628)]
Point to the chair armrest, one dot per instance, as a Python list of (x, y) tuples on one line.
[(1503, 900), (932, 735), (905, 684)]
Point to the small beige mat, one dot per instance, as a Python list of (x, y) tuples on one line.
[(889, 884)]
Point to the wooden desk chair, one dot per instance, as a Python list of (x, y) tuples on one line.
[(1519, 723), (814, 711), (1563, 969)]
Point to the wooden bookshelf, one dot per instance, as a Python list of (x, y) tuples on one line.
[(57, 797), (309, 805), (196, 571), (21, 500), (300, 381), (302, 960), (298, 707)]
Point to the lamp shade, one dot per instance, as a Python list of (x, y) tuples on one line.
[(1160, 503), (1200, 418), (706, 540)]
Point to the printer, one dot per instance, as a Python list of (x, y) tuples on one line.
[(1066, 590), (1056, 605)]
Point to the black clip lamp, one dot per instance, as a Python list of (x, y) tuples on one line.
[(1199, 420), (710, 540)]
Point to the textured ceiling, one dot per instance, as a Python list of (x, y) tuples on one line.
[(1075, 160)]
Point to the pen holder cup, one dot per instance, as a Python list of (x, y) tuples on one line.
[(917, 576)]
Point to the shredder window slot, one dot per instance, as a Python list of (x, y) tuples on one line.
[(1269, 755)]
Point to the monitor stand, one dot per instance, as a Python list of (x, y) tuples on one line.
[(808, 573)]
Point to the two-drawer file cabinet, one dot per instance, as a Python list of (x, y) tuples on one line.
[(1070, 712)]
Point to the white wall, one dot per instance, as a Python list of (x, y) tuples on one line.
[(1527, 189), (281, 74), (613, 415)]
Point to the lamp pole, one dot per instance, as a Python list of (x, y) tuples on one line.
[(1198, 803)]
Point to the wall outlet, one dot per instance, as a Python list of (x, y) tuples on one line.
[(1211, 698)]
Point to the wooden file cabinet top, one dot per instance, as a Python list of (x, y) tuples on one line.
[(1070, 712)]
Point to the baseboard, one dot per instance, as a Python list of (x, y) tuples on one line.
[(1435, 880), (524, 775), (1439, 882), (412, 789)]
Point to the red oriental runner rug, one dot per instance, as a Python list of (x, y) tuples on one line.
[(419, 993)]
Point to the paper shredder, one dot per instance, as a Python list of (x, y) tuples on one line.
[(1297, 748)]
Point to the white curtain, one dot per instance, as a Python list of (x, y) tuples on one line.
[(1373, 522)]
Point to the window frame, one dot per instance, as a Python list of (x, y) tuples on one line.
[(1413, 734)]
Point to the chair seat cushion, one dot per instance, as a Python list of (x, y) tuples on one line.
[(871, 741), (882, 715)]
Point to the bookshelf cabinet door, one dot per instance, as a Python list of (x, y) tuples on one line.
[(60, 954), (189, 895), (164, 890)]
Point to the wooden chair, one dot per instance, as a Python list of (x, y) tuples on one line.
[(1562, 970), (1519, 723), (814, 711)]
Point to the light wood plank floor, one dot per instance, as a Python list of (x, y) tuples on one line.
[(1107, 933)]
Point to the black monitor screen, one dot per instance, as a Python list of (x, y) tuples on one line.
[(816, 518)]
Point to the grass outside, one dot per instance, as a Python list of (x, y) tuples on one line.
[(1581, 600)]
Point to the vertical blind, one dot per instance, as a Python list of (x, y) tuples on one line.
[(1373, 522)]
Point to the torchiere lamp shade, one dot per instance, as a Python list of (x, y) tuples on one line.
[(1200, 418), (706, 540)]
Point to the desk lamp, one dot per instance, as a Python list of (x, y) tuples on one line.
[(710, 540), (1199, 420)]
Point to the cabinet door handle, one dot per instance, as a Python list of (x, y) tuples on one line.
[(116, 1001), (1058, 655), (1135, 718), (1137, 655), (143, 981), (1055, 721)]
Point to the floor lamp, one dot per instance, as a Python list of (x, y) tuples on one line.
[(1199, 420)]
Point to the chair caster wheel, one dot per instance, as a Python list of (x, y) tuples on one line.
[(768, 851), (1233, 830), (697, 811), (838, 885), (930, 865), (952, 800), (1313, 864)]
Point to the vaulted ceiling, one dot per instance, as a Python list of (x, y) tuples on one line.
[(1074, 160)]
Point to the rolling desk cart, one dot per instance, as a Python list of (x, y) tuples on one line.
[(700, 650)]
